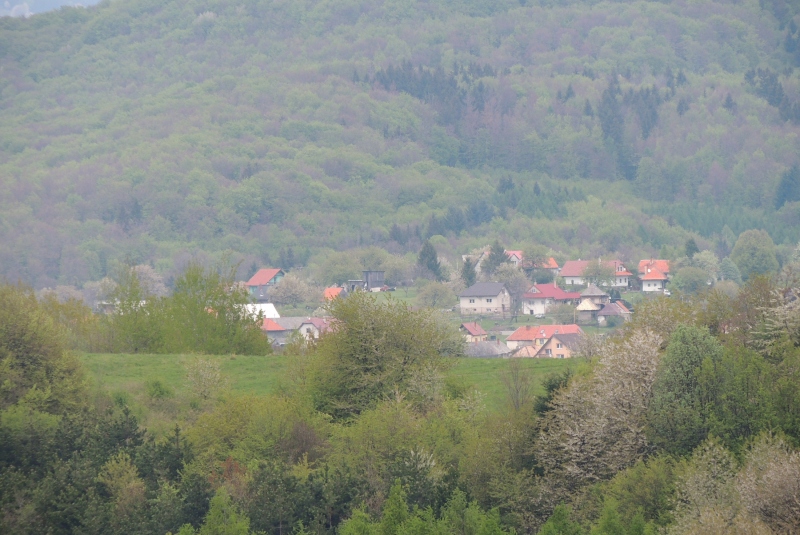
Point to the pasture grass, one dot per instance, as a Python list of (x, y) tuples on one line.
[(156, 389)]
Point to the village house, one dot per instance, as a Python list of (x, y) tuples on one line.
[(370, 281), (611, 310), (538, 335), (518, 260), (473, 332), (515, 257), (595, 295), (487, 349), (586, 311), (278, 330), (333, 292), (260, 283), (573, 272), (558, 346), (485, 298), (541, 297), (654, 275), (267, 310)]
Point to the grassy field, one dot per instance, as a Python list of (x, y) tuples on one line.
[(128, 376)]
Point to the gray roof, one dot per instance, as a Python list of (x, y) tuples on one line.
[(483, 289), (592, 291), (569, 340), (486, 349), (292, 323)]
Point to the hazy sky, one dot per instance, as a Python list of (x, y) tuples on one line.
[(24, 8)]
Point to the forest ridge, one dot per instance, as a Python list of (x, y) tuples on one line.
[(149, 132)]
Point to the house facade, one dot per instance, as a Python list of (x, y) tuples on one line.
[(654, 281), (559, 346), (573, 272), (485, 298), (613, 310), (278, 330), (538, 335), (260, 283), (541, 297), (473, 332)]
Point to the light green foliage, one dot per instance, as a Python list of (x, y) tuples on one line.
[(599, 274), (559, 523), (689, 280), (647, 489), (395, 511), (436, 295), (359, 523), (708, 262), (374, 349), (223, 518), (35, 369), (729, 271), (206, 314), (754, 254)]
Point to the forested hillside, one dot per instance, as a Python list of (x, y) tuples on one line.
[(150, 131)]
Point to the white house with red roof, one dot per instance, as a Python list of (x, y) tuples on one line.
[(541, 297), (473, 332), (573, 272), (538, 335), (515, 257), (654, 275), (279, 329), (264, 278)]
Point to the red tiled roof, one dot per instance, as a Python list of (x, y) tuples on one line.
[(652, 264), (320, 323), (575, 268), (518, 254), (270, 326), (474, 329), (654, 275), (331, 293), (550, 291), (263, 276), (532, 332)]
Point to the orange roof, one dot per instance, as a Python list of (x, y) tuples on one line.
[(331, 293), (473, 328), (647, 265), (518, 254), (263, 276), (532, 332), (550, 264), (654, 275), (270, 326)]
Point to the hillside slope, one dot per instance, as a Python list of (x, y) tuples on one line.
[(149, 131)]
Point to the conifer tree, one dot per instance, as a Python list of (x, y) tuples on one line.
[(429, 260), (468, 274), (497, 257)]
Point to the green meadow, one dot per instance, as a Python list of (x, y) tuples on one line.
[(157, 383)]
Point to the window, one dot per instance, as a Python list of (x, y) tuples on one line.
[(548, 352), (471, 300), (559, 346), (560, 355), (488, 300)]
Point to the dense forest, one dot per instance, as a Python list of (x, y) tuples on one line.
[(155, 132), (685, 421)]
